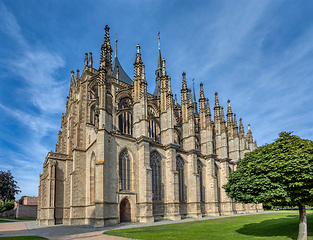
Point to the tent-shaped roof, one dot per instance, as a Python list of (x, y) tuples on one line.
[(122, 75)]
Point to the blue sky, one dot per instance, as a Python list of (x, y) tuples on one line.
[(258, 54)]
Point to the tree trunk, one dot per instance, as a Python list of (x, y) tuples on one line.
[(303, 229)]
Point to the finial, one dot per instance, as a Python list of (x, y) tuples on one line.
[(159, 68), (90, 59), (222, 112), (193, 91), (184, 80), (208, 107), (201, 91), (159, 40), (217, 104), (86, 59), (249, 128), (107, 28), (77, 73), (235, 120), (229, 111), (163, 68), (72, 73), (138, 48), (116, 45), (175, 99)]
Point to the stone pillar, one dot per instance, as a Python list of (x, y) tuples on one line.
[(211, 187), (144, 200), (171, 196), (225, 202), (193, 200)]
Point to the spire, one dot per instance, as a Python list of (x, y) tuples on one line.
[(208, 107), (184, 81), (158, 71), (235, 121), (222, 113), (201, 91), (217, 104), (249, 135), (138, 63), (208, 114), (241, 130), (194, 101), (235, 127), (90, 60), (229, 114), (216, 109), (116, 46), (86, 60), (106, 49), (159, 55)]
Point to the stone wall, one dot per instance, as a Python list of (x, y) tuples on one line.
[(26, 211)]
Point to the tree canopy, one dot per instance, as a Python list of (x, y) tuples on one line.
[(8, 187), (280, 173)]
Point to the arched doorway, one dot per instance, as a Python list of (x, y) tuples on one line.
[(125, 215)]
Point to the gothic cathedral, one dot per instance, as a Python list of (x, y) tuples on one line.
[(125, 155)]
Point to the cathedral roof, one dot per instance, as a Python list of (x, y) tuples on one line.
[(122, 75)]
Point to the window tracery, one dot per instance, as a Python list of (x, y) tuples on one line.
[(124, 170), (153, 126), (125, 119), (155, 164), (201, 187), (181, 181)]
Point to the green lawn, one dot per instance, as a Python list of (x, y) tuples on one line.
[(3, 221), (23, 238), (271, 226)]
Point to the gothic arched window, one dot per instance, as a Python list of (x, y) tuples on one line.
[(181, 182), (201, 187), (124, 170), (125, 119), (92, 178), (153, 126), (155, 164)]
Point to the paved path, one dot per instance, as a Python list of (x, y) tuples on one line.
[(56, 232)]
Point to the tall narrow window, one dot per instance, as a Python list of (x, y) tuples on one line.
[(153, 126), (155, 164), (92, 178), (125, 119), (124, 170), (181, 182), (216, 169), (201, 187)]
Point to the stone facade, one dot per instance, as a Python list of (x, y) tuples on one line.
[(124, 154)]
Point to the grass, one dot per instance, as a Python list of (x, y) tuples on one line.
[(3, 221), (23, 237), (269, 226)]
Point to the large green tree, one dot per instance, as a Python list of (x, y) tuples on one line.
[(8, 186), (280, 173)]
